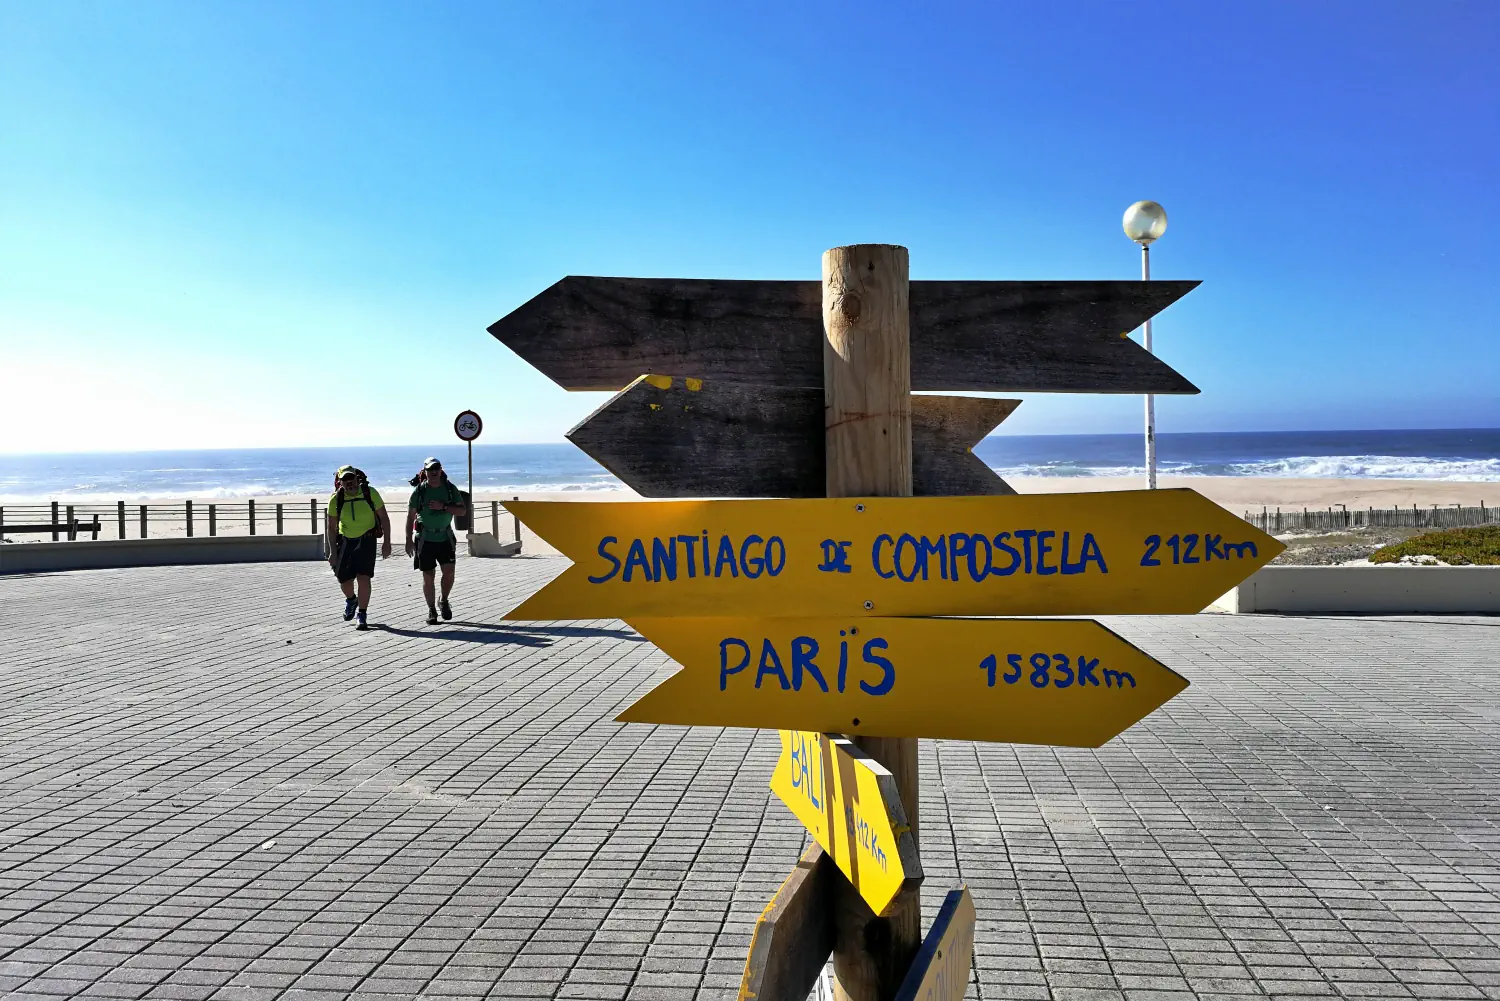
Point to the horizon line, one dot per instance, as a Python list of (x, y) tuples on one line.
[(525, 444)]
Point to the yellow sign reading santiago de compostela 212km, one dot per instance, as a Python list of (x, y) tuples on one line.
[(1065, 682), (1140, 551), (849, 804)]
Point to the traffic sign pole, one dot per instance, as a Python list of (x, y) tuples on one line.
[(467, 426), (867, 428)]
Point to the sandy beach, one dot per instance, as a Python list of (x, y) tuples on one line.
[(1244, 493)]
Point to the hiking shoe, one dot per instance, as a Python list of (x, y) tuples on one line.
[(351, 605), (446, 609), (361, 623), (431, 616)]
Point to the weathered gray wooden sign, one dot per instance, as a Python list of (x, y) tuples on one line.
[(1035, 336), (676, 437)]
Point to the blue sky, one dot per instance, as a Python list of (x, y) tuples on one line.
[(289, 224)]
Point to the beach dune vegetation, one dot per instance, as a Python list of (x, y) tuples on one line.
[(1456, 546)]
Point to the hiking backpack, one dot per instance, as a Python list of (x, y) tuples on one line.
[(364, 495)]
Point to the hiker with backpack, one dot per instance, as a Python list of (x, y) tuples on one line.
[(434, 504), (356, 521)]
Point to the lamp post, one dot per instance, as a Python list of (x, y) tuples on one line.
[(1144, 223)]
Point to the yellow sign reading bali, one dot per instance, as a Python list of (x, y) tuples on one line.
[(1145, 551), (1066, 682), (849, 804)]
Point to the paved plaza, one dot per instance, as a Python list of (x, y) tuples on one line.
[(215, 788)]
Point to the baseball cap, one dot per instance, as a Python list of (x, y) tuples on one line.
[(432, 463)]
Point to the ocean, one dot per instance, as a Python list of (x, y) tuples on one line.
[(1455, 455)]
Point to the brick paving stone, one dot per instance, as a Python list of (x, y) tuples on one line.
[(212, 787)]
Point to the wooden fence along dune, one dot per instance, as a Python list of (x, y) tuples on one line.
[(120, 520), (1339, 517)]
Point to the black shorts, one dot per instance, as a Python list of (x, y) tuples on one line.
[(356, 557), (432, 552)]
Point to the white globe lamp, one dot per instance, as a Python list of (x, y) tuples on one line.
[(1145, 222)]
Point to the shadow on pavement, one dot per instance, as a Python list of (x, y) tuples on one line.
[(619, 634), (484, 632), (1413, 618)]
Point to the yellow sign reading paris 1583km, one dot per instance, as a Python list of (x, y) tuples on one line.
[(1066, 682), (849, 804), (1139, 551)]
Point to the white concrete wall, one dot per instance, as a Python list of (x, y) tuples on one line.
[(1394, 589), (34, 557)]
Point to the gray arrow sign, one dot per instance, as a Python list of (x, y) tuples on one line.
[(1040, 337), (667, 437)]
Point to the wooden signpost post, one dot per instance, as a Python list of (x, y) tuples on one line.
[(811, 613), (849, 804)]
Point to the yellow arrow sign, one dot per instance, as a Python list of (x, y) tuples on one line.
[(1163, 551), (849, 804), (1066, 682), (941, 970)]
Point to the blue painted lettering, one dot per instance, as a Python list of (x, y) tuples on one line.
[(1042, 549), (688, 542), (888, 670), (775, 555), (1060, 663), (747, 563), (1040, 663), (770, 663), (804, 649), (1026, 535), (636, 557), (805, 776), (1211, 548), (664, 559), (604, 552), (1091, 551), (835, 557), (875, 558), (1000, 543), (726, 555), (960, 546), (907, 540), (926, 548), (724, 669)]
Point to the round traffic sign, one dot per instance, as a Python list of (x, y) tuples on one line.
[(467, 425)]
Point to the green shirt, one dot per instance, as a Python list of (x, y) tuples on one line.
[(358, 517), (435, 525)]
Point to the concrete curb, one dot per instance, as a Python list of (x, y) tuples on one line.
[(1374, 589), (41, 557), (484, 544)]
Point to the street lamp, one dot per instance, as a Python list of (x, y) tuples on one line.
[(1144, 223)]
